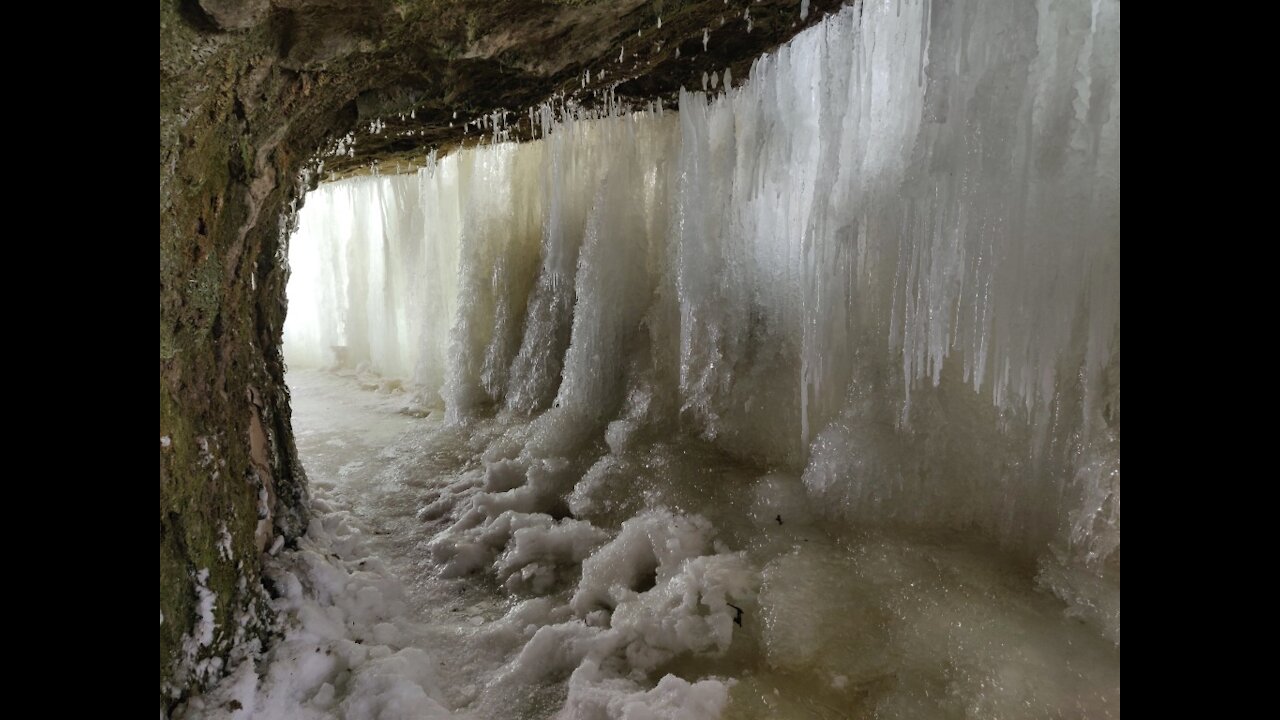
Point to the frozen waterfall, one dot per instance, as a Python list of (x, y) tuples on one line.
[(891, 258), (888, 265)]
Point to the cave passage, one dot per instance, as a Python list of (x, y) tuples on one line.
[(802, 401)]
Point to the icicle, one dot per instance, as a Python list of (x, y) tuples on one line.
[(890, 257)]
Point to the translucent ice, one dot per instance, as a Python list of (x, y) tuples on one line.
[(889, 262)]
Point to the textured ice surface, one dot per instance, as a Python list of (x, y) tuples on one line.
[(754, 606), (891, 257)]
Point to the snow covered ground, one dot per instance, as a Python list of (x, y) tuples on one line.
[(437, 581)]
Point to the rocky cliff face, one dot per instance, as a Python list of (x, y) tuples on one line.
[(250, 90)]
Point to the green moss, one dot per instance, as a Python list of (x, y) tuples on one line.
[(205, 486), (168, 343), (472, 24), (205, 295), (246, 154)]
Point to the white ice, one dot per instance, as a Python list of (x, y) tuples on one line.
[(630, 609), (838, 347)]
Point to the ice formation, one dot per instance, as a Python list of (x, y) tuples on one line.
[(885, 267), (903, 219), (345, 632)]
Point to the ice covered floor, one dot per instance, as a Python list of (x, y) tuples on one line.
[(430, 585)]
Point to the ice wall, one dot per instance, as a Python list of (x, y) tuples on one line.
[(889, 261), (371, 280)]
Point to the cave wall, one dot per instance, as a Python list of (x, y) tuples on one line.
[(250, 92)]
